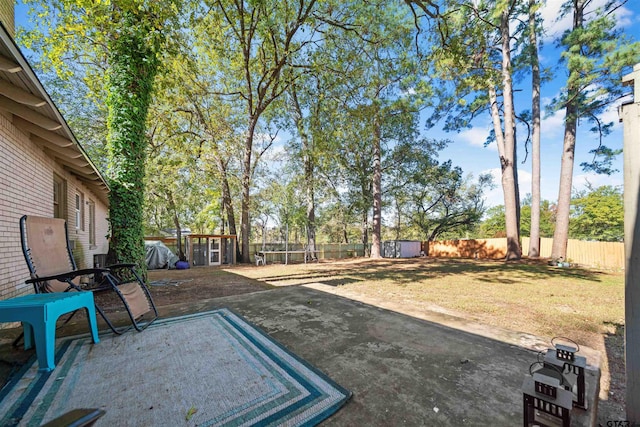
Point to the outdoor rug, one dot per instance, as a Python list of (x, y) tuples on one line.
[(207, 369)]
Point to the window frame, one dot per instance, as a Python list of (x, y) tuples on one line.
[(79, 211), (92, 224), (59, 197)]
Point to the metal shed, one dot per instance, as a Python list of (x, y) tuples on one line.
[(401, 248)]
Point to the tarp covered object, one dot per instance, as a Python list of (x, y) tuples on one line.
[(158, 255)]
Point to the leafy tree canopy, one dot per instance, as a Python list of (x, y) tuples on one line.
[(598, 214)]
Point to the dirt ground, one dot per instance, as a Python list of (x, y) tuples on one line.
[(170, 287)]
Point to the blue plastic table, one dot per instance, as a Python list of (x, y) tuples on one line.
[(39, 313)]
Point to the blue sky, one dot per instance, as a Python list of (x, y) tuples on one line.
[(468, 152)]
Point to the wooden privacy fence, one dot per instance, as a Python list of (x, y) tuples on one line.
[(594, 254), (468, 248)]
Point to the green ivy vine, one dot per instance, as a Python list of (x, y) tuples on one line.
[(133, 64)]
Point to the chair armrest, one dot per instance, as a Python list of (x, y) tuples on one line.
[(69, 275), (125, 273), (85, 271)]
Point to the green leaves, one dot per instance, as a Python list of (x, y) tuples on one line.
[(82, 39), (598, 215), (596, 55), (133, 67), (363, 71)]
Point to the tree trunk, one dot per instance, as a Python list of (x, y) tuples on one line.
[(398, 218), (176, 223), (377, 190), (245, 225), (311, 210), (365, 233), (309, 178), (508, 183), (534, 236), (180, 253), (561, 232), (130, 88), (227, 204), (505, 140), (510, 171)]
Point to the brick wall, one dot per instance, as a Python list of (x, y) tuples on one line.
[(26, 189), (7, 16), (26, 174)]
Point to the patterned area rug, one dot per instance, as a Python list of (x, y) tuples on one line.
[(207, 369)]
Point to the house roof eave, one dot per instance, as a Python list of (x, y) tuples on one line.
[(36, 114)]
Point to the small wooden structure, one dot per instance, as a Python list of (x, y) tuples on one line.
[(211, 249)]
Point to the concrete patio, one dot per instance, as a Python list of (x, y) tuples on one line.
[(403, 368)]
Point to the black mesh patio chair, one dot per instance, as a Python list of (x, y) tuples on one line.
[(46, 249)]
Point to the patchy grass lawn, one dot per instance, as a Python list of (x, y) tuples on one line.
[(527, 296)]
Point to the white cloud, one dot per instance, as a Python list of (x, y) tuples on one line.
[(476, 137), (583, 181), (265, 138), (624, 18), (408, 92), (495, 196), (611, 115), (553, 125), (555, 25), (276, 153), (524, 179)]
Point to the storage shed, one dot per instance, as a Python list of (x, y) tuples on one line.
[(401, 248)]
